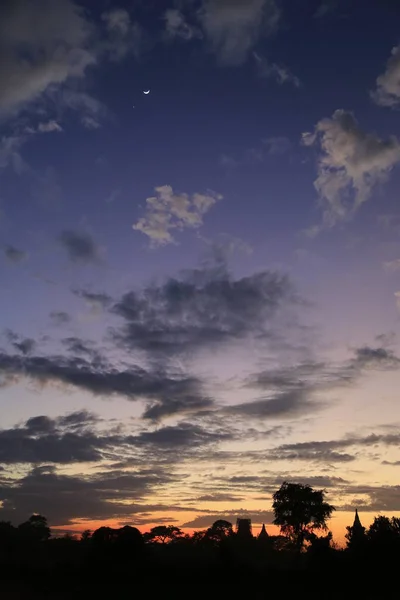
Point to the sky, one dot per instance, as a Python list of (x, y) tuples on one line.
[(200, 285)]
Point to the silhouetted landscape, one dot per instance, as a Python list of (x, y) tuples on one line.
[(221, 561)]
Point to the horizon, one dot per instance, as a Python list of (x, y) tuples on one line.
[(199, 259)]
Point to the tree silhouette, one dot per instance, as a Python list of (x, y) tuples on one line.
[(299, 511), (164, 533), (35, 529), (86, 536), (384, 533), (219, 531)]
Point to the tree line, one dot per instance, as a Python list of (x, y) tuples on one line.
[(304, 545)]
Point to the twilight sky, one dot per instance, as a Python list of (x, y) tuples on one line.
[(200, 286)]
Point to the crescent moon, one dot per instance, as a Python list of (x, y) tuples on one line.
[(147, 92)]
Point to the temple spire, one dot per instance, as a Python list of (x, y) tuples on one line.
[(263, 535), (357, 522)]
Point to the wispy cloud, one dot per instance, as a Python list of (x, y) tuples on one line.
[(232, 28), (61, 43), (270, 70), (60, 317), (387, 92), (49, 126), (57, 48), (176, 26), (14, 255)]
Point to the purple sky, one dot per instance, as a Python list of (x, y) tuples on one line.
[(200, 286)]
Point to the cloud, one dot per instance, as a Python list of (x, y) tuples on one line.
[(183, 435), (80, 247), (280, 405), (350, 165), (47, 189), (49, 127), (167, 211), (257, 517), (203, 308), (180, 403), (274, 146), (219, 498), (23, 345), (44, 440), (47, 47), (110, 492), (378, 358), (280, 73), (290, 391), (277, 145), (326, 8), (56, 40), (90, 110), (76, 346), (74, 438), (95, 301), (384, 498), (60, 317), (387, 91), (233, 27), (10, 153), (14, 255), (331, 451), (176, 26), (65, 498), (165, 393), (392, 265), (124, 36)]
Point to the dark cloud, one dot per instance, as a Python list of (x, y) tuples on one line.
[(60, 317), (184, 401), (291, 390), (94, 300), (76, 437), (219, 498), (80, 247), (14, 255), (183, 434), (64, 440), (373, 498), (109, 493), (64, 499), (331, 451), (77, 346), (378, 358), (167, 394), (23, 345), (204, 307), (26, 346), (257, 517), (262, 487), (286, 404)]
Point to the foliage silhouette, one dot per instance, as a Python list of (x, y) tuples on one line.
[(299, 510), (164, 533)]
